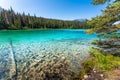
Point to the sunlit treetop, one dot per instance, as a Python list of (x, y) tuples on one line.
[(96, 2), (103, 23)]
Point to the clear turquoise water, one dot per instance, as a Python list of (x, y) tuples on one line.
[(43, 35), (32, 46)]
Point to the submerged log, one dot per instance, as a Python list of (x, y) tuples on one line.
[(13, 70)]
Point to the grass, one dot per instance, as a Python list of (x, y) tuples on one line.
[(100, 62), (104, 62)]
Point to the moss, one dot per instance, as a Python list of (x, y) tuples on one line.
[(79, 77), (105, 62), (87, 66), (100, 62)]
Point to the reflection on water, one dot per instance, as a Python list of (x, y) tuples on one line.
[(42, 54)]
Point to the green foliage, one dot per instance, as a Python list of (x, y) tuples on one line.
[(10, 20), (104, 22), (95, 2), (112, 35)]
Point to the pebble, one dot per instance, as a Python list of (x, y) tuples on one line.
[(50, 56), (63, 58), (85, 76), (101, 75)]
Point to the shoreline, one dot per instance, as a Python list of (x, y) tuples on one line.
[(40, 29)]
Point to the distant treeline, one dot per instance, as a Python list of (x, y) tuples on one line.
[(11, 20)]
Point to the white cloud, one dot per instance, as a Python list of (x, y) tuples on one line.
[(7, 3)]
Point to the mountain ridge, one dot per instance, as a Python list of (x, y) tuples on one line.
[(80, 20)]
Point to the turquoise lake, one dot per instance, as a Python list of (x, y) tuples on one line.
[(23, 50), (43, 35)]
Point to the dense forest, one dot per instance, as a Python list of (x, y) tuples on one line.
[(11, 20)]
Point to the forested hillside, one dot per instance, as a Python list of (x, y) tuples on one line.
[(11, 20)]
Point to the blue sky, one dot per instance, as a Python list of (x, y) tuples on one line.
[(58, 9)]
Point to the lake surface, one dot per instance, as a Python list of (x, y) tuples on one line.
[(43, 35), (42, 52)]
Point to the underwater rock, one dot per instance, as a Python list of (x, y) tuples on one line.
[(48, 60)]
